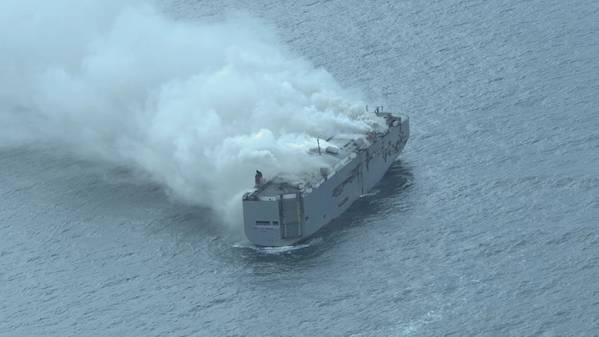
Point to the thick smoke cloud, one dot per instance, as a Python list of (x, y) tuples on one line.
[(197, 107)]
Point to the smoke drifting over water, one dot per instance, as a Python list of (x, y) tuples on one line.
[(197, 107)]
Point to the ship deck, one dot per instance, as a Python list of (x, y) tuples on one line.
[(278, 185), (344, 145)]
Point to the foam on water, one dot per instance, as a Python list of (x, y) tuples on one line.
[(280, 249)]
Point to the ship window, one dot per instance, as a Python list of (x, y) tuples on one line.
[(275, 223), (343, 202), (262, 223), (338, 190)]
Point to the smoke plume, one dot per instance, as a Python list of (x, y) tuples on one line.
[(197, 107)]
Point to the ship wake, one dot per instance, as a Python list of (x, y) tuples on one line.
[(279, 250)]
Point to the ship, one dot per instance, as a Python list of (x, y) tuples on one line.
[(284, 212)]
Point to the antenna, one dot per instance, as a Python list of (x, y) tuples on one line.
[(318, 142)]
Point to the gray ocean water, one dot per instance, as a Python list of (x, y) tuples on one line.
[(487, 226)]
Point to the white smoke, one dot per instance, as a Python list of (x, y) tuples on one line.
[(197, 107)]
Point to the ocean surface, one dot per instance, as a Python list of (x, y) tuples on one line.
[(488, 225)]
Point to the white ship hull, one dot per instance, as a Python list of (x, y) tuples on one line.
[(296, 213)]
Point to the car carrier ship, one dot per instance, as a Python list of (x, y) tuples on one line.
[(281, 212)]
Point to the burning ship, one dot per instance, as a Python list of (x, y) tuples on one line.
[(280, 212)]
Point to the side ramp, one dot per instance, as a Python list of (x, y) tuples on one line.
[(291, 214)]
